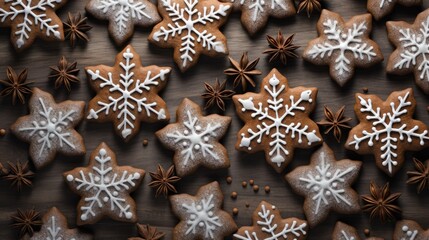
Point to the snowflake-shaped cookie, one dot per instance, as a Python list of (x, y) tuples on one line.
[(55, 228), (191, 27), (201, 216), (343, 45), (380, 8), (195, 139), (277, 120), (50, 128), (387, 129), (412, 53), (409, 230), (29, 19), (104, 188), (127, 93), (343, 231), (326, 185), (269, 224), (123, 15)]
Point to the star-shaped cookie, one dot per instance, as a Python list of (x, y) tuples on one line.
[(123, 15), (195, 139), (55, 228), (201, 216), (49, 128), (127, 93), (343, 231), (409, 230), (276, 120), (412, 53), (104, 188), (29, 19), (269, 224), (380, 8), (326, 185), (343, 45), (191, 27), (387, 129)]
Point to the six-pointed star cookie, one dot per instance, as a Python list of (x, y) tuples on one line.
[(29, 19), (50, 128), (127, 93), (195, 139), (276, 120), (191, 27), (55, 228), (343, 45), (409, 230), (326, 185), (412, 53), (380, 8), (343, 231), (201, 216), (269, 224), (123, 15), (387, 129), (104, 188)]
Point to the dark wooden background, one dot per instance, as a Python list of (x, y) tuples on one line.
[(50, 190)]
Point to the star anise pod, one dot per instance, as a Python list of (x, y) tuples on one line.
[(26, 221), (309, 6), (380, 203), (242, 72), (420, 176), (19, 175), (281, 48), (15, 85), (147, 232), (64, 73), (163, 181), (335, 121), (216, 94), (75, 28)]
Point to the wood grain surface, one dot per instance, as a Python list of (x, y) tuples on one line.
[(50, 190)]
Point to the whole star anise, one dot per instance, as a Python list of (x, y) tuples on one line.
[(281, 48), (309, 6), (26, 221), (15, 85), (335, 121), (242, 72), (75, 28), (420, 176), (64, 73), (147, 232), (163, 181), (19, 175), (380, 203), (216, 94)]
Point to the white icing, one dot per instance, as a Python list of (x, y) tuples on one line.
[(132, 94), (258, 6), (52, 126), (184, 21), (32, 13), (346, 236), (410, 234), (106, 187), (274, 123), (268, 225), (385, 127), (385, 2), (201, 215)]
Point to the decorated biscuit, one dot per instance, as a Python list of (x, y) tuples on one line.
[(343, 231), (381, 8), (409, 230)]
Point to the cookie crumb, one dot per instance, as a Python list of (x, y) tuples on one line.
[(366, 232), (251, 182), (247, 205), (244, 184), (145, 142), (365, 90), (235, 211), (229, 180), (255, 188), (267, 189), (2, 132), (234, 195)]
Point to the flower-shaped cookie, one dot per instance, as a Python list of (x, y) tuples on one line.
[(380, 8), (409, 230)]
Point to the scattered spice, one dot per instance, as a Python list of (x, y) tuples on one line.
[(147, 232), (16, 85), (2, 132), (244, 184), (27, 221), (235, 211), (243, 71), (19, 175), (229, 180), (75, 28), (247, 205), (64, 73), (365, 90), (216, 94), (309, 6), (251, 182), (163, 181), (366, 232), (335, 121), (420, 176), (267, 189), (234, 195), (145, 142), (380, 203), (281, 48), (255, 188)]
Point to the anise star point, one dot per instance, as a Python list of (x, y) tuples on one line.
[(64, 73), (26, 221), (76, 28), (381, 203), (281, 48), (243, 71), (420, 176), (19, 175), (335, 121), (16, 85), (163, 181), (216, 94), (147, 232), (309, 6)]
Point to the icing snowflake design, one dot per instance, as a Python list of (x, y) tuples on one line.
[(410, 234), (409, 230), (388, 130), (127, 93), (347, 236), (196, 24), (380, 8), (31, 18), (55, 231), (276, 125)]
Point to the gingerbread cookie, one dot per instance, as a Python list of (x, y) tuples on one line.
[(276, 120), (191, 27), (326, 185), (381, 8), (104, 188), (343, 45), (29, 19), (195, 139), (127, 93), (49, 128), (411, 53), (269, 224), (201, 216), (123, 15), (387, 129), (343, 231), (409, 230), (55, 228)]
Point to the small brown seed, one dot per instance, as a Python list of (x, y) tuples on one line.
[(235, 211), (145, 142), (234, 195), (365, 90), (255, 188), (2, 132), (251, 182), (244, 184), (366, 231), (247, 205), (267, 189), (229, 180)]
